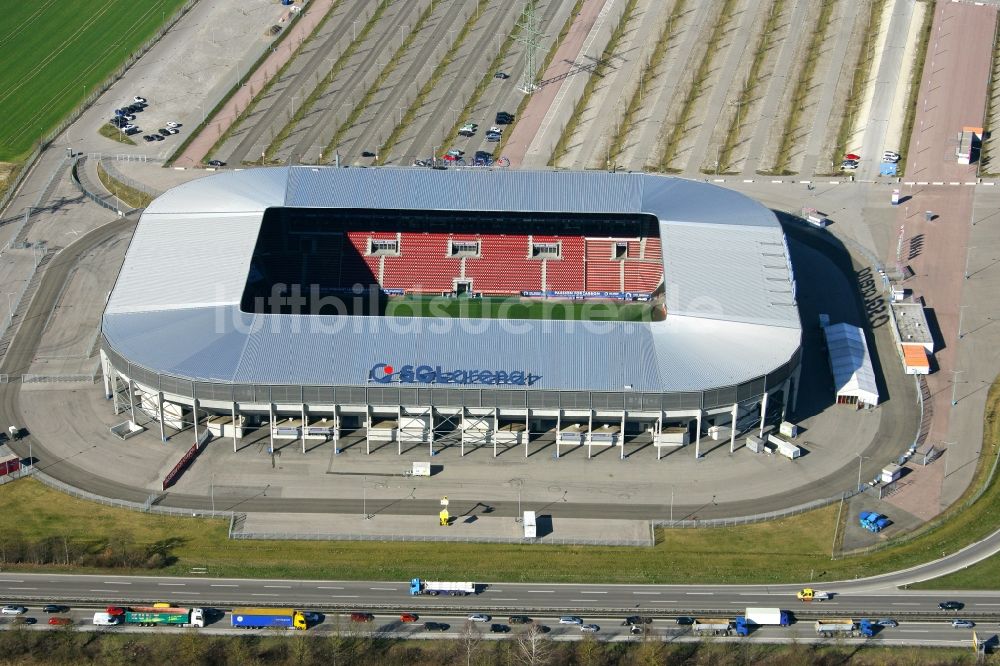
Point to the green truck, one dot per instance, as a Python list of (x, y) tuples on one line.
[(151, 616)]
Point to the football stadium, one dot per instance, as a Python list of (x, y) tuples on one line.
[(462, 308)]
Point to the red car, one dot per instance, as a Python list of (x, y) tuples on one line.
[(409, 617), (60, 621), (449, 158), (114, 611), (852, 157), (362, 617)]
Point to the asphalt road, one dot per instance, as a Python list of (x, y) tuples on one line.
[(388, 625)]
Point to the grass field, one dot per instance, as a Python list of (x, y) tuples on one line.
[(521, 308), (54, 52)]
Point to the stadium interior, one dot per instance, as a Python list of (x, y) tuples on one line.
[(378, 262)]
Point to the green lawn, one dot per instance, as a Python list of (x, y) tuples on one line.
[(521, 308), (53, 53)]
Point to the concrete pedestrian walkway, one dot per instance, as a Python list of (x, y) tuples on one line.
[(198, 149)]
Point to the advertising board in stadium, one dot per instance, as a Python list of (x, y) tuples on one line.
[(383, 373), (580, 295)]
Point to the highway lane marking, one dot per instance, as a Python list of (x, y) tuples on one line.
[(541, 591), (22, 588), (328, 588), (184, 592), (264, 594), (172, 584), (283, 587), (592, 592), (914, 631), (115, 582), (389, 589), (498, 599), (705, 593), (976, 603), (341, 596), (102, 590), (647, 593), (223, 585), (4, 580), (491, 590)]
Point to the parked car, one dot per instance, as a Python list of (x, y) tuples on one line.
[(479, 617), (138, 100), (171, 123), (890, 156), (409, 617), (173, 130), (951, 605), (570, 619), (61, 621), (436, 626), (504, 118), (501, 75), (133, 130), (13, 610), (849, 165), (448, 157), (455, 152), (54, 608), (589, 628), (492, 137), (963, 624), (158, 137), (499, 628), (483, 156), (887, 622), (163, 131), (635, 629), (367, 153), (216, 163), (134, 108), (147, 137)]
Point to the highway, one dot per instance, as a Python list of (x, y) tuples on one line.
[(921, 622)]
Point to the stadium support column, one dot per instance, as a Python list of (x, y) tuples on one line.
[(527, 430), (131, 399), (796, 378), (270, 426), (462, 441), (399, 430), (106, 375), (234, 414), (558, 431), (763, 411), (368, 430), (697, 436), (496, 427), (159, 407), (590, 431), (732, 428), (657, 431), (621, 437), (305, 428), (194, 418)]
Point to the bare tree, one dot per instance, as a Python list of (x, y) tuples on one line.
[(533, 647), (469, 641)]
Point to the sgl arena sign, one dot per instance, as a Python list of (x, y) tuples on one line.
[(383, 373)]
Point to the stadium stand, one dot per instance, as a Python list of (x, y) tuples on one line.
[(423, 265), (565, 273), (504, 266)]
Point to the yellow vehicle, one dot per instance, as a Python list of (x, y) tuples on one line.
[(160, 604), (809, 594)]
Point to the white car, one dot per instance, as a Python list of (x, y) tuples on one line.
[(890, 156), (495, 130), (138, 100), (128, 127), (13, 610), (172, 124), (589, 628), (570, 619), (479, 617)]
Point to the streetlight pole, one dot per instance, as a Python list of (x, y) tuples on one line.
[(961, 313), (954, 386), (968, 253), (10, 306), (671, 507), (860, 459)]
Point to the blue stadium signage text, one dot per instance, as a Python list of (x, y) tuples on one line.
[(425, 374)]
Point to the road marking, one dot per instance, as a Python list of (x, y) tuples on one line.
[(390, 589), (974, 602), (646, 593), (592, 592), (283, 587), (223, 585), (505, 600), (5, 580), (341, 596), (22, 588), (263, 594), (705, 593), (183, 592), (171, 584), (329, 588), (102, 590), (541, 591), (579, 600), (491, 590), (114, 582)]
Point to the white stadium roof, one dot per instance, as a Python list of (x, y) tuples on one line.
[(732, 316)]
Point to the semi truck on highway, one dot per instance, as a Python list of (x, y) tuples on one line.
[(433, 588), (766, 616), (152, 616), (268, 618), (714, 626), (845, 627)]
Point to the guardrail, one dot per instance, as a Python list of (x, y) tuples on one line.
[(278, 536), (41, 379)]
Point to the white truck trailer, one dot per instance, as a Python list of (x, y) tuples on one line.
[(767, 616), (715, 626), (445, 588)]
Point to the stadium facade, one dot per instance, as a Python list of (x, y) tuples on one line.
[(191, 341)]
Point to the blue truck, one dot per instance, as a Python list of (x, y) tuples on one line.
[(845, 627), (268, 618)]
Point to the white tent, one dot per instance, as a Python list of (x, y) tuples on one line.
[(853, 376)]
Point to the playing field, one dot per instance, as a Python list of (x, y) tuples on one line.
[(522, 308), (53, 53)]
